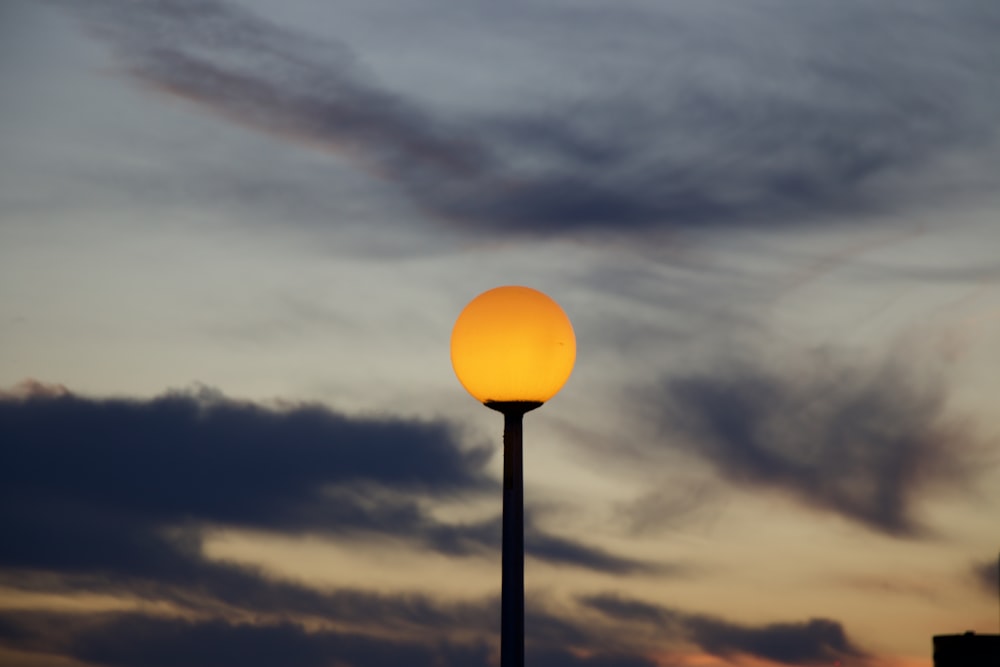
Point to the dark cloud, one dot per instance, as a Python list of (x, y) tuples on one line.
[(114, 496), (130, 484), (987, 575), (137, 640), (127, 639), (227, 589), (816, 129), (813, 642), (864, 443), (201, 458)]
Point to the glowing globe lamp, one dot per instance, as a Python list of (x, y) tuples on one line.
[(513, 348), (513, 345)]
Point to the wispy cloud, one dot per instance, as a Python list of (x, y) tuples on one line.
[(862, 442), (812, 128), (656, 511)]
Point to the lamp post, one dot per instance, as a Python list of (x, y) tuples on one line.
[(512, 348)]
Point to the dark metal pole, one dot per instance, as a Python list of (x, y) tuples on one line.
[(512, 578), (512, 572)]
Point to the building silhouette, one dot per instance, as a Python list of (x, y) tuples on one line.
[(968, 650)]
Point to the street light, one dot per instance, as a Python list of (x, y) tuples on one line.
[(512, 348)]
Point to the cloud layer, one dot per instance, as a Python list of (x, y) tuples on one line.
[(116, 483), (113, 496), (777, 123)]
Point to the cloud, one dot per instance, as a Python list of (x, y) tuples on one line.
[(137, 640), (891, 584), (812, 642), (987, 575), (629, 610), (124, 639), (788, 127), (127, 639), (114, 496), (121, 491), (230, 61), (864, 443), (483, 536), (227, 590), (684, 502), (186, 456), (562, 550)]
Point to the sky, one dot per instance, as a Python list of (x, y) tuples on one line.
[(235, 236)]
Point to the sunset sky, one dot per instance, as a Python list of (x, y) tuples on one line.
[(235, 236)]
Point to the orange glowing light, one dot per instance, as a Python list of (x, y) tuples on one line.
[(513, 344)]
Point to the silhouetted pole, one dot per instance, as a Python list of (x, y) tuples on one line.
[(512, 564), (512, 575)]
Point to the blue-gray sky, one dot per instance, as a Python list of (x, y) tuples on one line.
[(234, 237)]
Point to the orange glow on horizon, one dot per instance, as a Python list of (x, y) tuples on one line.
[(513, 344)]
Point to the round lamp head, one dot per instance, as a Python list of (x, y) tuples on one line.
[(513, 345)]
